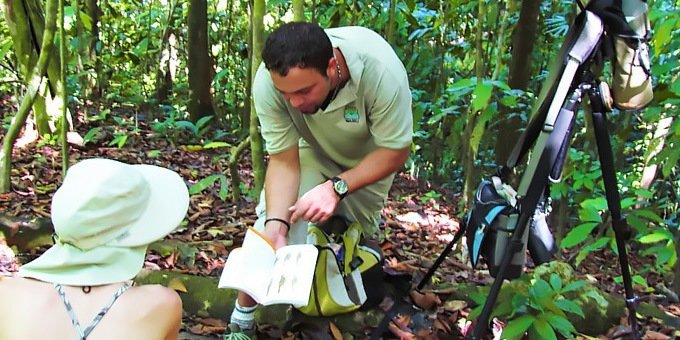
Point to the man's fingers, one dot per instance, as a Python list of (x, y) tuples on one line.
[(294, 217)]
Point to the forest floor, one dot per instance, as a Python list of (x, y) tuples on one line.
[(419, 220)]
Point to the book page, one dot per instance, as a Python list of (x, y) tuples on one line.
[(249, 268), (292, 275)]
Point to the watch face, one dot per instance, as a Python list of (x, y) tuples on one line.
[(340, 186)]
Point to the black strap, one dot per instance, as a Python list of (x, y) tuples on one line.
[(286, 223)]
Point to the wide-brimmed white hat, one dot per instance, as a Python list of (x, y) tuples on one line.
[(105, 214)]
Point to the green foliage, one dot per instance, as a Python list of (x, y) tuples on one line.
[(541, 303), (205, 183)]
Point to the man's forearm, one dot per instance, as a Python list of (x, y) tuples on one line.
[(282, 183), (374, 167)]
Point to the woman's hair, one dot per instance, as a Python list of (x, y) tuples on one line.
[(297, 44)]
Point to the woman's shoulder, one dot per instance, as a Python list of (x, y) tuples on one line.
[(157, 296)]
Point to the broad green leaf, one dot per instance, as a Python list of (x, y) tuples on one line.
[(481, 95), (662, 34), (650, 215), (86, 20), (578, 235), (509, 101), (465, 83), (224, 188), (203, 121), (540, 290), (141, 48), (119, 140), (185, 124), (662, 68), (599, 243), (598, 204), (569, 306), (90, 134), (480, 127), (664, 254), (556, 282), (595, 295), (215, 145), (572, 286), (656, 236), (203, 184), (543, 328), (560, 323), (5, 46), (588, 214), (640, 281), (629, 202), (517, 327)]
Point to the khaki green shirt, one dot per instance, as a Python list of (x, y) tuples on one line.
[(372, 110)]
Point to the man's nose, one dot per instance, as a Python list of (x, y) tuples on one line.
[(296, 101)]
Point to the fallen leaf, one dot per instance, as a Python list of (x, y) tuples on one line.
[(178, 285), (454, 305), (425, 301), (651, 335), (335, 332)]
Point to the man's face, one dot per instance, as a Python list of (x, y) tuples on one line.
[(304, 88)]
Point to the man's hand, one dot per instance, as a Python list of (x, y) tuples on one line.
[(316, 205)]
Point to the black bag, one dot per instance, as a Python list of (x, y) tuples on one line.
[(491, 222)]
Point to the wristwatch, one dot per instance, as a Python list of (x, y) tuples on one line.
[(340, 186)]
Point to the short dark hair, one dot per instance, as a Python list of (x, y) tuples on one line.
[(297, 44)]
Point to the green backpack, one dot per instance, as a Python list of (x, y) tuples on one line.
[(348, 272)]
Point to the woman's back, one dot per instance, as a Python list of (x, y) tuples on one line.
[(33, 309)]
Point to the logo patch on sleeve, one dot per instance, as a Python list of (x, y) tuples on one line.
[(351, 115)]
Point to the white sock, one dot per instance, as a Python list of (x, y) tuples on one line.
[(244, 317)]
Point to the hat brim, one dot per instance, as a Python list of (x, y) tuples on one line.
[(122, 258), (168, 204), (68, 265)]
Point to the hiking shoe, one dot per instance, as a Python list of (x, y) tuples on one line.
[(234, 332)]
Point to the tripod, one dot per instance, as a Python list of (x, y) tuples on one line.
[(550, 132)]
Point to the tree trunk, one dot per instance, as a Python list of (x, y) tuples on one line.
[(256, 144), (390, 27), (469, 154), (165, 71), (655, 146), (46, 117), (298, 10), (523, 41), (199, 64), (34, 83), (94, 80), (64, 115), (236, 152)]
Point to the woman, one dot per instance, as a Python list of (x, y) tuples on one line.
[(105, 215)]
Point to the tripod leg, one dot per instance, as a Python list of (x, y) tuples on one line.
[(532, 186), (440, 259), (621, 229)]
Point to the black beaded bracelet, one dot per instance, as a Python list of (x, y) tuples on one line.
[(278, 220)]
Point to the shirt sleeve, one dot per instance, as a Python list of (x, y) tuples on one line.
[(390, 116), (276, 125)]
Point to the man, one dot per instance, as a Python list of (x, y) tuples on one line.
[(335, 112)]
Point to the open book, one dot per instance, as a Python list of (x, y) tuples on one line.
[(270, 277)]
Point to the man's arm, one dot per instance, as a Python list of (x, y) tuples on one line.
[(282, 183), (318, 204)]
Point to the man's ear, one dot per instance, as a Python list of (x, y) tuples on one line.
[(331, 66)]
